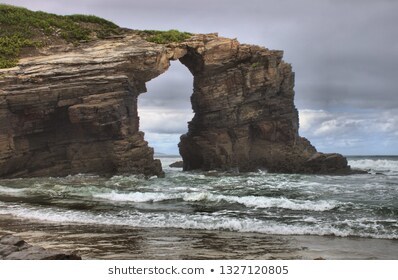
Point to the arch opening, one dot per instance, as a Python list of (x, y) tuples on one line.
[(165, 109)]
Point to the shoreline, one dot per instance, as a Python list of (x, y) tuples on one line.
[(122, 242)]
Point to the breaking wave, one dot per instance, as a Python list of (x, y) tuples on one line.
[(248, 201), (385, 165), (202, 222), (10, 191), (292, 204)]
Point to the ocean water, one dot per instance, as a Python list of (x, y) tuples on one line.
[(363, 206)]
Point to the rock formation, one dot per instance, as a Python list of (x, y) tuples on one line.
[(245, 116), (14, 248), (74, 110), (177, 164)]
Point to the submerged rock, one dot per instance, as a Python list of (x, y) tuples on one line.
[(14, 248), (177, 164), (74, 110)]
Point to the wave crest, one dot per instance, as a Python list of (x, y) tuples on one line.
[(247, 201)]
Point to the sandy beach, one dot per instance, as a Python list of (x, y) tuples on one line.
[(118, 242)]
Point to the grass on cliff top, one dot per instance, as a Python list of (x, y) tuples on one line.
[(165, 37), (21, 29)]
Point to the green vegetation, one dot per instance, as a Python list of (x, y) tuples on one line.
[(21, 29), (165, 37), (255, 64), (10, 47)]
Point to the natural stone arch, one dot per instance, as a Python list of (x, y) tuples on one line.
[(245, 117), (76, 111)]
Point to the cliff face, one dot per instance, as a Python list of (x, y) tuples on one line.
[(74, 110)]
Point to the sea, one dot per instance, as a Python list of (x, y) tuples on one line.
[(186, 206)]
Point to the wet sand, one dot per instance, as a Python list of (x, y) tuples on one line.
[(118, 242)]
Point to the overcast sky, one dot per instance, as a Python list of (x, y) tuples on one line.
[(344, 53)]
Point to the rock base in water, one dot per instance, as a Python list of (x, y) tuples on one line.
[(177, 164)]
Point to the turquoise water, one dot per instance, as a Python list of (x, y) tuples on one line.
[(259, 202)]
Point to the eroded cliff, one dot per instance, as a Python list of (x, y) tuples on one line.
[(74, 110)]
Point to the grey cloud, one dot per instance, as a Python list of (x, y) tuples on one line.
[(168, 95), (362, 132), (337, 97), (172, 89), (163, 143), (164, 121)]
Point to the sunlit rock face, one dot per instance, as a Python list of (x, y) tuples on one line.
[(74, 110)]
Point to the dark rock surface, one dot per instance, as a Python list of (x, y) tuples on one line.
[(245, 117), (74, 110), (177, 164), (14, 248)]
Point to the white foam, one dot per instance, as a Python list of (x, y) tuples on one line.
[(11, 191), (282, 202), (194, 221), (248, 201), (377, 165), (136, 196), (197, 196)]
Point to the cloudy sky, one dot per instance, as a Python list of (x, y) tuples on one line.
[(344, 53)]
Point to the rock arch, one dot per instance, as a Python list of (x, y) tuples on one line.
[(76, 111), (245, 117)]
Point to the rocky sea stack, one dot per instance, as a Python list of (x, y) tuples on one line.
[(70, 105)]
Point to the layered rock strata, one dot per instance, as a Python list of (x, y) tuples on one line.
[(74, 110), (245, 117)]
